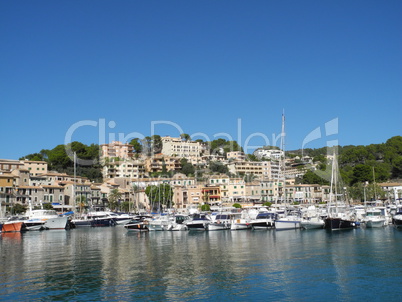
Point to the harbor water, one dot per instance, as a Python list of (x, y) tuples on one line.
[(111, 264)]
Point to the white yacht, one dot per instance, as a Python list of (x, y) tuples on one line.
[(51, 218), (374, 218)]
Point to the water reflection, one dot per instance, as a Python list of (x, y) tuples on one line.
[(115, 265)]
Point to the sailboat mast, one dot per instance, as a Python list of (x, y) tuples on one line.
[(75, 176), (283, 156)]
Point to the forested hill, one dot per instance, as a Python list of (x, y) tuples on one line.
[(58, 160), (357, 162)]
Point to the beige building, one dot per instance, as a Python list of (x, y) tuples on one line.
[(236, 156), (157, 162), (116, 149), (127, 168), (35, 167), (186, 197), (7, 192), (176, 147), (8, 165)]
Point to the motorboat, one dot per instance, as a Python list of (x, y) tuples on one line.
[(374, 218), (94, 219), (177, 223), (263, 221), (50, 217), (137, 225), (222, 221), (315, 222), (14, 224), (160, 223), (240, 222), (312, 219), (290, 221), (396, 220), (198, 222)]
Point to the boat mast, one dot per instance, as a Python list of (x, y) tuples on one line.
[(283, 156), (75, 176)]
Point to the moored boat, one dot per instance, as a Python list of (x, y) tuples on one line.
[(137, 226), (222, 221), (397, 220), (374, 218), (13, 225), (198, 222), (312, 223)]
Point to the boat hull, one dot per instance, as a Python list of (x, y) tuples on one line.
[(13, 227), (378, 223), (287, 224), (309, 225), (136, 227), (397, 221), (57, 223), (339, 224), (197, 226), (218, 226)]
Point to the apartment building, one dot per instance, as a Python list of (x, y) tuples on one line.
[(260, 169), (273, 154), (236, 156), (116, 149), (176, 147), (35, 167), (24, 194), (127, 168), (159, 162), (186, 197), (8, 165), (7, 192)]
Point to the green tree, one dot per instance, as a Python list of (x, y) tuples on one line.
[(222, 146), (216, 166), (361, 174), (205, 208), (237, 205), (160, 196), (252, 157), (311, 177), (186, 167), (17, 209), (113, 199), (185, 137), (136, 143)]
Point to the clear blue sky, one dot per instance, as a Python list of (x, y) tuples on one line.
[(69, 68)]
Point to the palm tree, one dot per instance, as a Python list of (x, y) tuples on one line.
[(113, 198)]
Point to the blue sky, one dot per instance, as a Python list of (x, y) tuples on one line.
[(92, 71)]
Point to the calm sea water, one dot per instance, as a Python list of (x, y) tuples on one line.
[(111, 264)]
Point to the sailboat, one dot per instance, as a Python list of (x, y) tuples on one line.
[(292, 218), (339, 217)]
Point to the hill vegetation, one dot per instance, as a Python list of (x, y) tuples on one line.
[(358, 164)]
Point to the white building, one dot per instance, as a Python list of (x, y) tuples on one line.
[(274, 154)]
